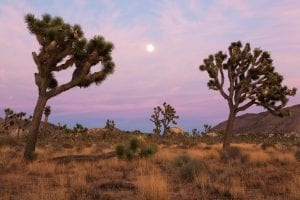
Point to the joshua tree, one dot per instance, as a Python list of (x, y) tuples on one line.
[(251, 80), (110, 125), (169, 115), (47, 112), (78, 128), (63, 46), (155, 119), (206, 130)]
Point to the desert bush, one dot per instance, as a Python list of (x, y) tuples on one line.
[(149, 150), (135, 150), (130, 154), (230, 154), (120, 150), (134, 144), (192, 169), (181, 160)]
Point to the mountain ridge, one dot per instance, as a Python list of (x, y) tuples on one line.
[(265, 123)]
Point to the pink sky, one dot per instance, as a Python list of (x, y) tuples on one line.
[(183, 33)]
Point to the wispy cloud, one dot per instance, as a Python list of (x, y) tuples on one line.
[(183, 32)]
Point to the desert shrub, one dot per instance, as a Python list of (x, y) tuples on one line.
[(149, 150), (192, 169), (120, 150), (181, 160), (267, 144), (134, 144), (230, 154), (130, 154), (297, 155)]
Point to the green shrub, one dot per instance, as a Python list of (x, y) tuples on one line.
[(191, 169), (149, 150), (181, 160), (130, 154), (120, 150), (134, 144)]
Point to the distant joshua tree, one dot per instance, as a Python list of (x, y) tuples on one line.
[(47, 112), (206, 130), (168, 115), (17, 120), (251, 80), (63, 46), (155, 119), (110, 125)]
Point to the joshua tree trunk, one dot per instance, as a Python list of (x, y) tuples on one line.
[(46, 118), (228, 131), (34, 128)]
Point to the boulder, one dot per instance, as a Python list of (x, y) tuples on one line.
[(176, 131)]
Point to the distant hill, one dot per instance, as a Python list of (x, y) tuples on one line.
[(265, 122)]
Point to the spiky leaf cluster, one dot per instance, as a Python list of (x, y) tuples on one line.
[(62, 46), (249, 76)]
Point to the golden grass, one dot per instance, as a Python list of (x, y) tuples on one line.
[(152, 187), (273, 171)]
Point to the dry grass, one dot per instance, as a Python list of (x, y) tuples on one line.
[(152, 186), (273, 173)]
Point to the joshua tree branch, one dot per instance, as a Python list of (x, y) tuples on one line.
[(246, 106), (65, 65)]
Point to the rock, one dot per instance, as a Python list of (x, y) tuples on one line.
[(212, 134), (176, 131)]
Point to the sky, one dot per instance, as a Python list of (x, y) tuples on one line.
[(183, 32)]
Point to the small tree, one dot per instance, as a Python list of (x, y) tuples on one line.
[(155, 119), (110, 125), (63, 46), (17, 120), (47, 112), (168, 116), (206, 128), (251, 80), (78, 128)]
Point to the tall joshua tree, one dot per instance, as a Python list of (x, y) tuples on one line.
[(63, 46), (251, 80), (47, 112)]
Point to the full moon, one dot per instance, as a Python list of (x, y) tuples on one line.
[(150, 48)]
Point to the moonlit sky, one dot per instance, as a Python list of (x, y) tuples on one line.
[(183, 34)]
